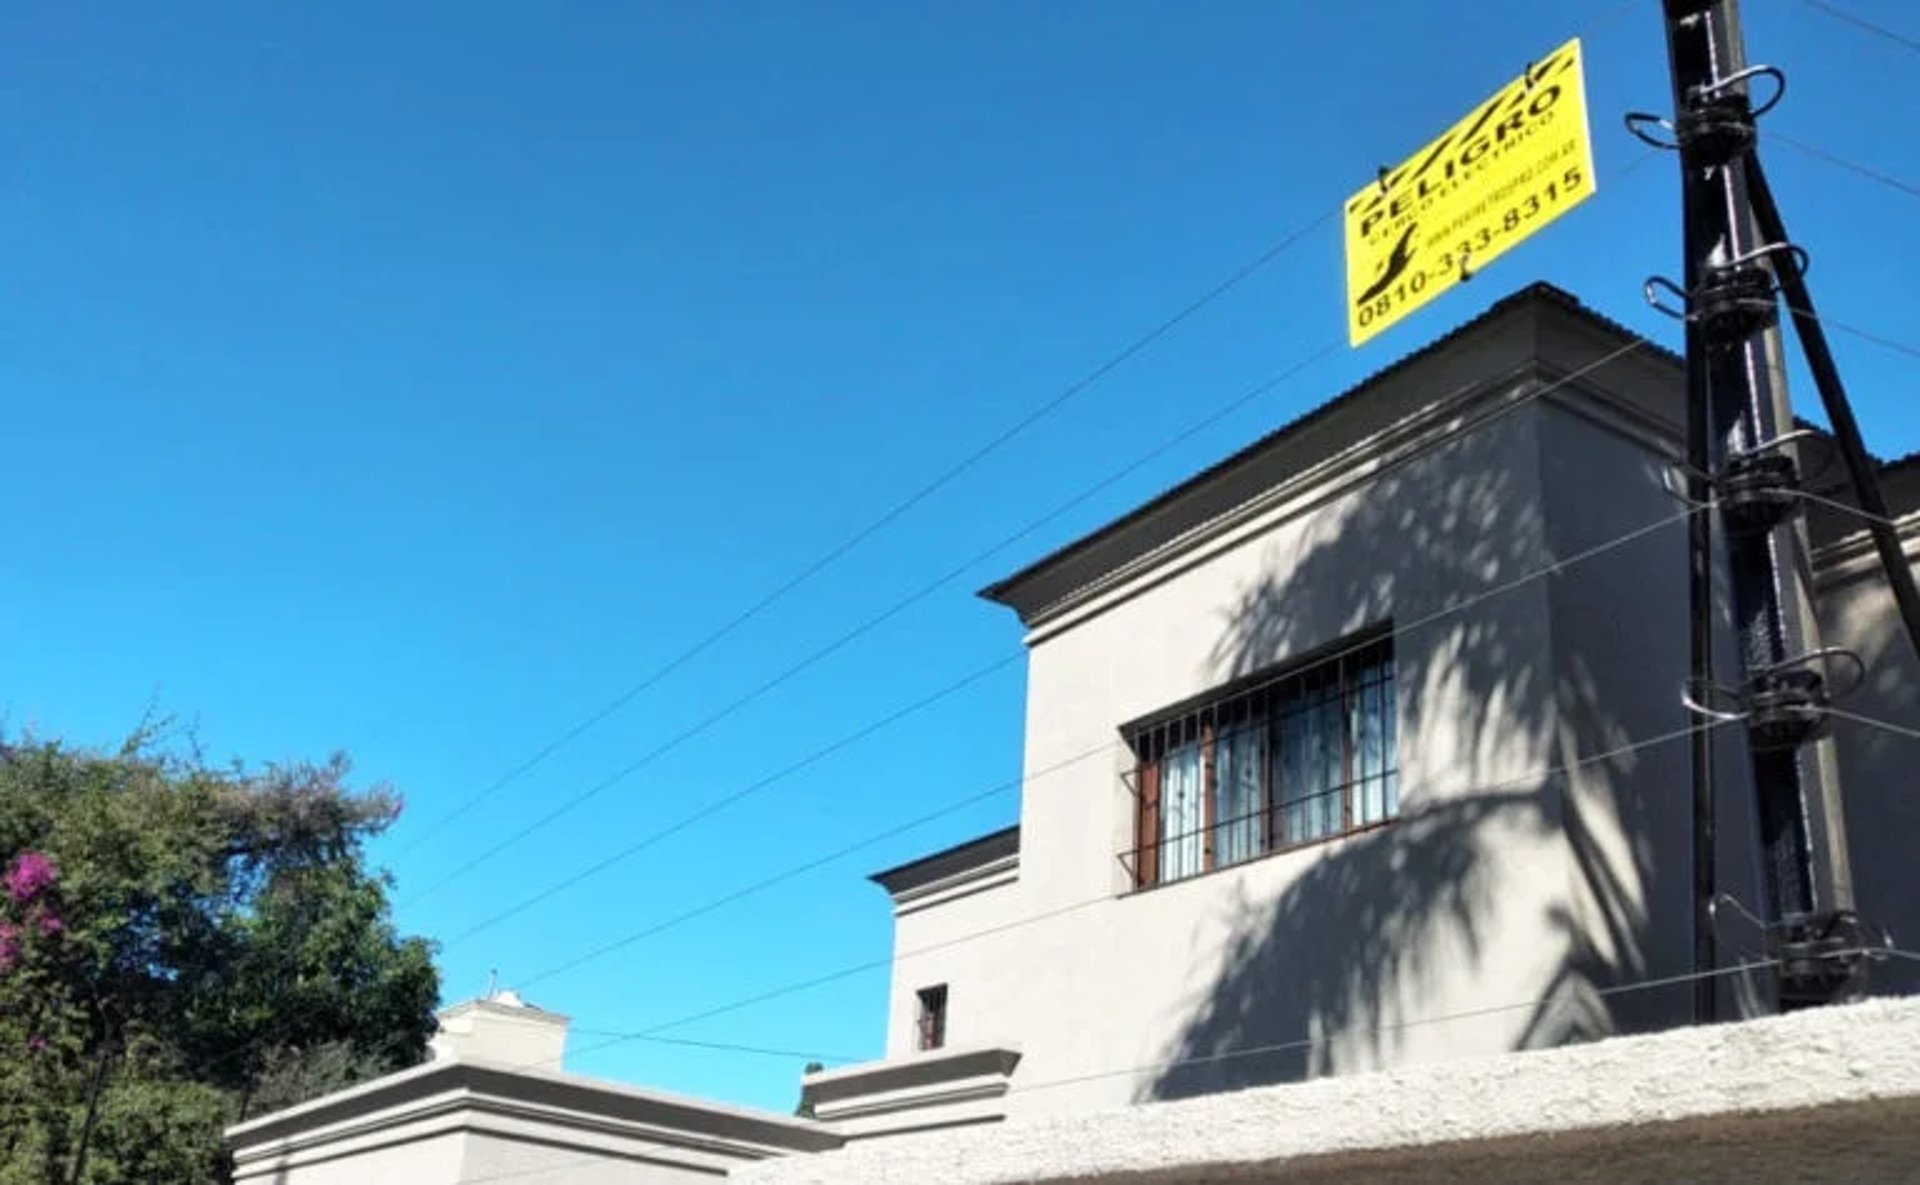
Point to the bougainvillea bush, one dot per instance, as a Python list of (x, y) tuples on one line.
[(183, 946)]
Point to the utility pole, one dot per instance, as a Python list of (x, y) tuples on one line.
[(1741, 433)]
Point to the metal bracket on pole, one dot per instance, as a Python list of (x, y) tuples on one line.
[(1821, 956), (1737, 266)]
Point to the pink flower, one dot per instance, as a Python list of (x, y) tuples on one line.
[(50, 924), (36, 1044), (32, 873), (9, 947)]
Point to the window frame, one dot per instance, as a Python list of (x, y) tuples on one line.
[(930, 1022), (1256, 702)]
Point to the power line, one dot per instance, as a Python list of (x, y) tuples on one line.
[(833, 555), (874, 622), (1068, 762), (1851, 166), (1548, 773), (1650, 983), (1510, 406), (1887, 343), (759, 886), (1838, 13), (1231, 1054), (752, 788), (723, 1046), (1550, 568), (911, 599), (647, 841), (1848, 508), (1192, 429), (1236, 1052), (1873, 722)]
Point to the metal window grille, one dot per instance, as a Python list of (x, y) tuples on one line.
[(1294, 757)]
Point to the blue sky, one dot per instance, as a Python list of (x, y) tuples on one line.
[(412, 380)]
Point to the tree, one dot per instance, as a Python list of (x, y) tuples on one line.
[(182, 947)]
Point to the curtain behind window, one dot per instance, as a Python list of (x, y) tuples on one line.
[(1312, 741), (1182, 828), (1237, 823), (1376, 787)]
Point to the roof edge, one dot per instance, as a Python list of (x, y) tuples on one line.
[(1536, 295), (961, 857)]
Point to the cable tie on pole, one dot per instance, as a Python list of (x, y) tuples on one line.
[(1774, 442), (1822, 956), (1711, 89), (1823, 655), (1702, 706), (1786, 707), (1758, 491), (1651, 290), (1800, 258), (1715, 126), (1638, 121)]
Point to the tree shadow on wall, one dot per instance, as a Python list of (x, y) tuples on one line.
[(1500, 883)]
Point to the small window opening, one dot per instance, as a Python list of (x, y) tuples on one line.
[(933, 1016)]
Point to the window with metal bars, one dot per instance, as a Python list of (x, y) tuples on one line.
[(933, 1017), (1285, 758)]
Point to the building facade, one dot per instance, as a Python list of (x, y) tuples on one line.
[(1362, 749), (493, 1105)]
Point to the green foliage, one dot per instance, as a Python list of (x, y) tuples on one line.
[(181, 947)]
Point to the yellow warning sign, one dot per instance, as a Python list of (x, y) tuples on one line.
[(1517, 162)]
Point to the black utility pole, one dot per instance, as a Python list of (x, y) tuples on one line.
[(1740, 432)]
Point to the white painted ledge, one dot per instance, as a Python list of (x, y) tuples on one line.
[(1829, 1094)]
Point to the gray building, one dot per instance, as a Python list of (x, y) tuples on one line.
[(494, 1105), (1364, 749)]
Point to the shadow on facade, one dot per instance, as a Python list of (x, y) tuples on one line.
[(1883, 809), (1341, 967)]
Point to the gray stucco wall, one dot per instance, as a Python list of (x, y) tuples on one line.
[(1619, 647), (1535, 898), (1877, 767), (1353, 953), (459, 1121)]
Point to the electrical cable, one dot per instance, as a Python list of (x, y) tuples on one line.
[(725, 1047), (1887, 343), (1675, 980), (1649, 983), (568, 805), (1232, 281), (1886, 726), (1453, 608), (971, 799), (747, 791), (833, 555), (1851, 166), (1541, 775), (872, 623), (1636, 343), (1512, 405), (1838, 13), (1847, 508)]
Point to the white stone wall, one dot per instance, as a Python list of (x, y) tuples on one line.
[(1825, 1095)]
